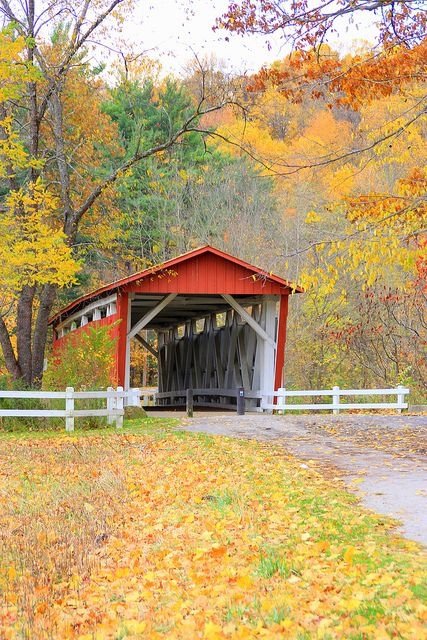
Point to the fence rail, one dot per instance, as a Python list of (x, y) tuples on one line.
[(336, 405), (113, 411), (116, 399), (199, 398)]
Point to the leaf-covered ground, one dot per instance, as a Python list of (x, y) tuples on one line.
[(153, 533), (401, 442)]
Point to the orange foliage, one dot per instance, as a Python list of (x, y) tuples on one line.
[(351, 81)]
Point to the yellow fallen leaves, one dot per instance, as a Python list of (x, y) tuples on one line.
[(202, 538), (349, 555)]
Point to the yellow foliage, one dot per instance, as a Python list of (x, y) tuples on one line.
[(312, 217), (254, 560), (14, 71), (32, 250)]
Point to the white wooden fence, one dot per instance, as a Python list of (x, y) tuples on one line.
[(116, 399), (113, 411), (336, 405)]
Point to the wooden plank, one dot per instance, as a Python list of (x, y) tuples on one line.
[(33, 394), (373, 405), (215, 405), (34, 413), (69, 408), (179, 369), (218, 362), (253, 395), (147, 345), (330, 407), (341, 392), (230, 393), (210, 349), (119, 408), (111, 405), (188, 355), (225, 341), (87, 395), (101, 302), (162, 368), (244, 365), (196, 360), (151, 314), (170, 359), (371, 392), (229, 371), (251, 347), (249, 319), (167, 394), (267, 348)]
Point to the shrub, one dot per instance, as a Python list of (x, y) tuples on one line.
[(85, 360)]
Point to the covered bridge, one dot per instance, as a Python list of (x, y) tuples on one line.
[(220, 322)]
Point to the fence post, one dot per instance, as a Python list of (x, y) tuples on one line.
[(134, 400), (111, 405), (69, 407), (400, 397), (335, 399), (119, 407), (189, 403), (281, 400), (240, 401)]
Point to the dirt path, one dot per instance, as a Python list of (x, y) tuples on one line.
[(381, 458)]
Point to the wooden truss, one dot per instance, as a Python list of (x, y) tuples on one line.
[(237, 350)]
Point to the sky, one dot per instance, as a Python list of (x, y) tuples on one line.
[(178, 29), (175, 30)]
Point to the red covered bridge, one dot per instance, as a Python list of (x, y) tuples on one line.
[(220, 322)]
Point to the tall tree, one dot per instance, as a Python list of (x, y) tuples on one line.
[(62, 141)]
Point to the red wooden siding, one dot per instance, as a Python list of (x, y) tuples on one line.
[(204, 270), (103, 322), (281, 341), (122, 312), (207, 274)]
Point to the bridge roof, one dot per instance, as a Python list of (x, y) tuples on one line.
[(205, 270)]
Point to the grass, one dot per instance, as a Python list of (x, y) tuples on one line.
[(153, 532), (272, 563)]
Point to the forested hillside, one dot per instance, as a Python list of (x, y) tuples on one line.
[(314, 168)]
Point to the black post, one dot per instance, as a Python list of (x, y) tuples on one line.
[(240, 401), (190, 403)]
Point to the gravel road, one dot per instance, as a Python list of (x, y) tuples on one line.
[(380, 458)]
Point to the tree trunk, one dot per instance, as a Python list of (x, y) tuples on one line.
[(47, 300), (8, 352), (24, 318)]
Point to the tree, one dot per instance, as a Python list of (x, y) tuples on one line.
[(151, 198), (312, 69), (184, 197), (63, 148), (305, 23), (347, 154)]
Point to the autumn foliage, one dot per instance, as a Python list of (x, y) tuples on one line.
[(313, 168), (158, 534)]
